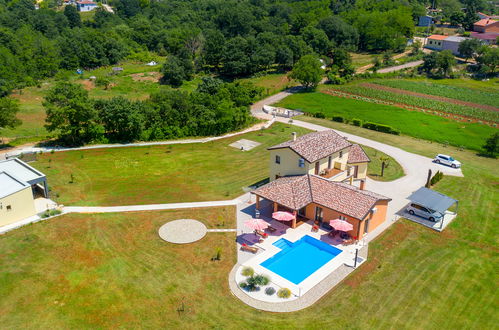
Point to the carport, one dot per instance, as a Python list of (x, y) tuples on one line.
[(434, 200), (26, 173)]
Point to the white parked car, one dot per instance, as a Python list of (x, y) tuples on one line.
[(416, 209), (447, 160)]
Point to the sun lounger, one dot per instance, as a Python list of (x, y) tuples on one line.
[(271, 229), (247, 248), (261, 234)]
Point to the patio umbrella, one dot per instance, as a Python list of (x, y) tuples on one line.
[(256, 224), (283, 216), (341, 225)]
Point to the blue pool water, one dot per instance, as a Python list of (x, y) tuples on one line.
[(297, 261)]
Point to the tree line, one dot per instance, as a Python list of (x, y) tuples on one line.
[(232, 38), (215, 108)]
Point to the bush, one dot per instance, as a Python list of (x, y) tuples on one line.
[(284, 293), (269, 291), (357, 122), (243, 285), (261, 279), (380, 128), (437, 177), (338, 119), (247, 271), (320, 115)]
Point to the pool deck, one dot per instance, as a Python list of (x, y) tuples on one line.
[(328, 276)]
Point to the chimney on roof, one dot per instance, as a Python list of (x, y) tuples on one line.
[(362, 185), (294, 136)]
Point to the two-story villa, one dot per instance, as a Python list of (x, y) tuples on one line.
[(325, 153)]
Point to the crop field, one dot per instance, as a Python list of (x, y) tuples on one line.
[(420, 102), (453, 92), (413, 123)]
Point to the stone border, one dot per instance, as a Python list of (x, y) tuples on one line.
[(307, 300), (182, 231)]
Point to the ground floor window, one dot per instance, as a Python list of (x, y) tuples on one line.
[(366, 227), (342, 217)]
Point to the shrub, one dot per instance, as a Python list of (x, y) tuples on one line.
[(269, 291), (247, 271), (437, 177), (284, 293), (261, 279), (357, 122), (320, 115), (338, 119), (243, 285), (380, 128)]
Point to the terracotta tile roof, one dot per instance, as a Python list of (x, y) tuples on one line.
[(485, 22), (298, 191), (357, 155), (437, 37), (316, 145)]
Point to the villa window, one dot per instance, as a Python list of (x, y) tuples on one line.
[(342, 217), (329, 162), (277, 159), (9, 207), (319, 216), (341, 154), (366, 226), (301, 162)]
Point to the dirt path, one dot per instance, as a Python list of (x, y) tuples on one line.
[(364, 68), (431, 97), (400, 67)]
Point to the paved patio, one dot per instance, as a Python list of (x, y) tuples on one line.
[(182, 231)]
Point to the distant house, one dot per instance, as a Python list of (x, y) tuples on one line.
[(435, 42), (425, 20), (452, 43), (486, 25), (486, 38), (85, 5)]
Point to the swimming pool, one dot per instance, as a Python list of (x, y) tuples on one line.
[(297, 261)]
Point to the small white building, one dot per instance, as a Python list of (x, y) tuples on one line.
[(86, 5)]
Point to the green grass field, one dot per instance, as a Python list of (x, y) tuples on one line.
[(272, 83), (112, 270), (412, 123), (160, 174), (392, 172)]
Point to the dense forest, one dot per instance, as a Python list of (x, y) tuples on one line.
[(228, 38)]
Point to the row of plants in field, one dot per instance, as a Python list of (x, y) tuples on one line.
[(391, 98), (453, 92)]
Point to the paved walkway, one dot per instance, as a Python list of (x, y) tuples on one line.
[(148, 207), (30, 149)]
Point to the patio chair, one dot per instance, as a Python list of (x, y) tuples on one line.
[(315, 228), (247, 248), (261, 234), (271, 229)]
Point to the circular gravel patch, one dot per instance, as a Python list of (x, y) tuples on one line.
[(182, 231)]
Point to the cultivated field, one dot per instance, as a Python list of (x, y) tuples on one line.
[(112, 270), (412, 123), (401, 99)]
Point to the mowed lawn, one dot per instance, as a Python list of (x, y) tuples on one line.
[(160, 174), (412, 123), (112, 270)]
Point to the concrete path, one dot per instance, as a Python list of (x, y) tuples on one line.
[(400, 67), (148, 207), (30, 149)]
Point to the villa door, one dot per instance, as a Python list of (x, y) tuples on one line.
[(329, 162), (355, 171), (317, 167)]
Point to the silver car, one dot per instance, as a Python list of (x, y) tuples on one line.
[(447, 160), (415, 209)]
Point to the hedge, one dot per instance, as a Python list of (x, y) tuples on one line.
[(338, 119), (380, 128)]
